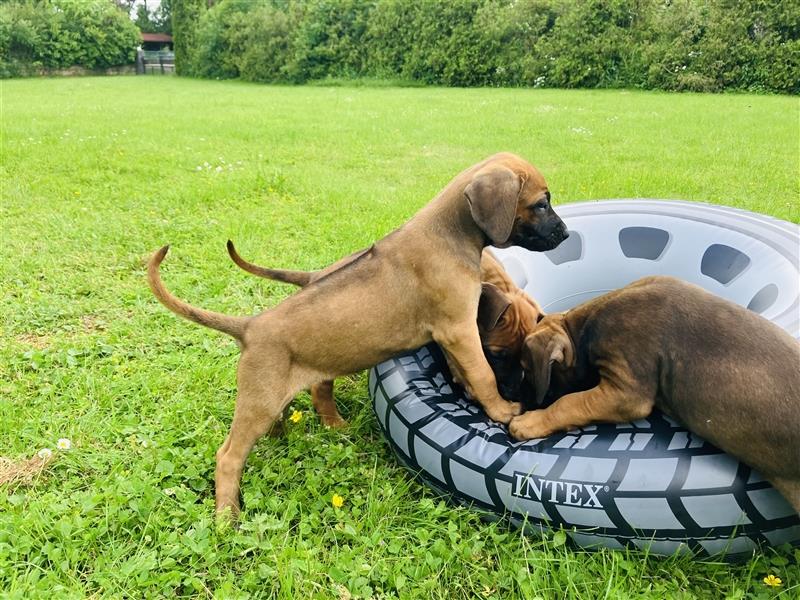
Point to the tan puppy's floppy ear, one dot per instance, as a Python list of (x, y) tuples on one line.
[(492, 197), (544, 348), (491, 307)]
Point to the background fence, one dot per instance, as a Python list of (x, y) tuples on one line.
[(150, 62)]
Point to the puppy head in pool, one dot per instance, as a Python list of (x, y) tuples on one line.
[(547, 360), (504, 319)]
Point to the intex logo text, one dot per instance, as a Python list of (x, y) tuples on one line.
[(571, 493)]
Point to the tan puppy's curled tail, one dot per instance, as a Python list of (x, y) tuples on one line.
[(299, 278), (234, 326)]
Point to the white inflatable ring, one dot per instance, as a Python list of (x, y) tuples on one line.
[(645, 484)]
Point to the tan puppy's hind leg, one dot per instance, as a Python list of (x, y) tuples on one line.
[(476, 375), (325, 405), (259, 407), (232, 455), (604, 403)]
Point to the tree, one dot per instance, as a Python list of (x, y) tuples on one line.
[(162, 17), (125, 5), (185, 16), (154, 21)]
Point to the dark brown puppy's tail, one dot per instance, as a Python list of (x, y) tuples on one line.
[(233, 326), (299, 278)]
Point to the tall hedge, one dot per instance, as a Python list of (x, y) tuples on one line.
[(56, 34), (699, 45), (186, 15)]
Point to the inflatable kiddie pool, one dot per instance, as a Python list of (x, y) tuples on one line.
[(647, 484)]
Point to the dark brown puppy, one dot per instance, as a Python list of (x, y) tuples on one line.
[(725, 372), (420, 283), (506, 315)]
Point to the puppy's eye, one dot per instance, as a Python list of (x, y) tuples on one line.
[(540, 205)]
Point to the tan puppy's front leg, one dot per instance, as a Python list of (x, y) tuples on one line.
[(604, 403), (325, 405), (463, 346), (454, 372)]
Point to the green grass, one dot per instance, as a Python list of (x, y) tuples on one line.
[(99, 172)]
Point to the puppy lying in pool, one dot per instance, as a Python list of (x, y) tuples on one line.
[(725, 372)]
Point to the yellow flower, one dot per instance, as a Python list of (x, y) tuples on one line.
[(772, 581), (296, 417), (337, 501)]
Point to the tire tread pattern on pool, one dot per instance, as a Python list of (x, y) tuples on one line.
[(704, 520)]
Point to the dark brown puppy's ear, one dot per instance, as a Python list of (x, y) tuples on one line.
[(539, 365), (543, 350), (491, 307), (492, 197)]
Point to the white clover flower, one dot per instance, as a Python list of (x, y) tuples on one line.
[(219, 169), (64, 444), (44, 453), (169, 491), (198, 168)]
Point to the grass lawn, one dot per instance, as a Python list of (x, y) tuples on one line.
[(99, 172)]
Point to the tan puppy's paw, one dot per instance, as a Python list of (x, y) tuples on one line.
[(334, 422), (503, 412), (529, 426), (226, 517)]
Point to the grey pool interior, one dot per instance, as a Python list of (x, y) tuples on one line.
[(750, 259)]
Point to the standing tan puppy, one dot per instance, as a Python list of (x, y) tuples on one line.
[(419, 283), (725, 372), (506, 315)]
